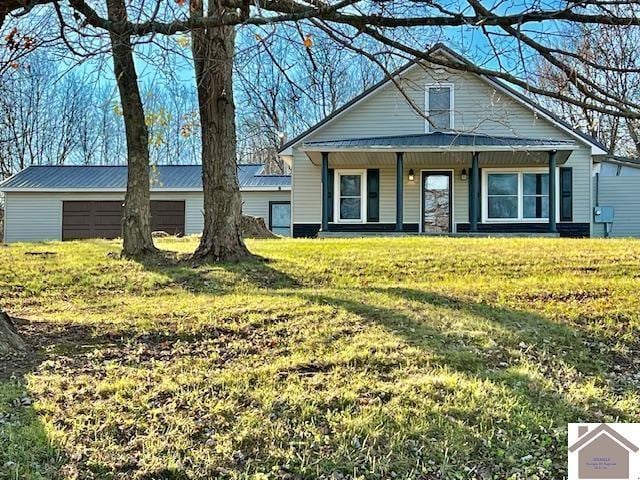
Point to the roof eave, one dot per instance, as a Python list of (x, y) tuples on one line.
[(440, 149), (123, 190)]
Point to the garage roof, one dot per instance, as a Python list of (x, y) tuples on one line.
[(114, 178)]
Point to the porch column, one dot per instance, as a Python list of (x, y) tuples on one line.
[(325, 190), (552, 191), (399, 190), (473, 195)]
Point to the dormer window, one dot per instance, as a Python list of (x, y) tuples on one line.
[(439, 107)]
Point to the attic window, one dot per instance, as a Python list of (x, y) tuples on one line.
[(439, 107)]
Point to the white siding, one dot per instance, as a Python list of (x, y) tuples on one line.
[(478, 108), (31, 217), (621, 193), (256, 204)]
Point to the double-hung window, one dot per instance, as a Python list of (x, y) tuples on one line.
[(439, 103), (512, 196), (535, 195), (350, 198), (502, 196)]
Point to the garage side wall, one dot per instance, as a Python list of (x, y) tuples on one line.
[(621, 193), (255, 204), (32, 217)]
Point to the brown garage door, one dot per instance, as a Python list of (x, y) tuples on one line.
[(103, 219), (167, 217)]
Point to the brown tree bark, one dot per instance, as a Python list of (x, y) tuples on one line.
[(213, 50), (10, 341), (136, 222)]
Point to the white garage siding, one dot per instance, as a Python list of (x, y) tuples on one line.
[(32, 217), (621, 193), (256, 204)]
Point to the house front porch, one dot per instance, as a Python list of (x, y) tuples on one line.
[(443, 184)]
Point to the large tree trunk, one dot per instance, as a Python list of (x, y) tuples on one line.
[(10, 341), (136, 223), (213, 50)]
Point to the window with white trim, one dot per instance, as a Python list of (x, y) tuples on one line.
[(535, 195), (521, 195), (439, 103), (350, 198), (502, 196)]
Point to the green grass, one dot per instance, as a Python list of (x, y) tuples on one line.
[(369, 359)]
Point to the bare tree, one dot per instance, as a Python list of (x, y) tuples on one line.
[(136, 223), (618, 47), (213, 51), (42, 114), (285, 88)]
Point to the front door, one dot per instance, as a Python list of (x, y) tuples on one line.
[(436, 202)]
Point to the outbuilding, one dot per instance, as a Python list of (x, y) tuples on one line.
[(78, 202)]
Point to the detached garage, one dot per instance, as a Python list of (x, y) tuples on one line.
[(79, 202)]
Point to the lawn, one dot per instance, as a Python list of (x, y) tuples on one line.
[(400, 358)]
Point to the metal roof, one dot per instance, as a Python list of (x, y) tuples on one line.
[(416, 61), (163, 177), (633, 162), (438, 139)]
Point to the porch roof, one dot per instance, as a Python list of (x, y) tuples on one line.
[(440, 141)]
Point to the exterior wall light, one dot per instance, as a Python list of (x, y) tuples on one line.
[(412, 175), (463, 175)]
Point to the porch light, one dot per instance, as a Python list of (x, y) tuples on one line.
[(412, 175), (463, 175)]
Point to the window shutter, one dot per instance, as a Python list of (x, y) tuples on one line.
[(373, 195), (566, 194), (479, 199), (330, 193)]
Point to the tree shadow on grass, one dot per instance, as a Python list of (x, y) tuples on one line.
[(220, 277), (418, 317), (558, 352), (531, 357), (26, 451)]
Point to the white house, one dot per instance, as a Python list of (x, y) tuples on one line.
[(489, 160)]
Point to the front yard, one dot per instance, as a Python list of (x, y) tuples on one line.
[(375, 358)]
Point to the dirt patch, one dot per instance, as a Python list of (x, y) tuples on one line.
[(84, 348), (565, 297)]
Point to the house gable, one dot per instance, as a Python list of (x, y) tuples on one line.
[(481, 105)]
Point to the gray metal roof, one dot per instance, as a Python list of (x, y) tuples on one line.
[(163, 177), (438, 139), (627, 161)]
